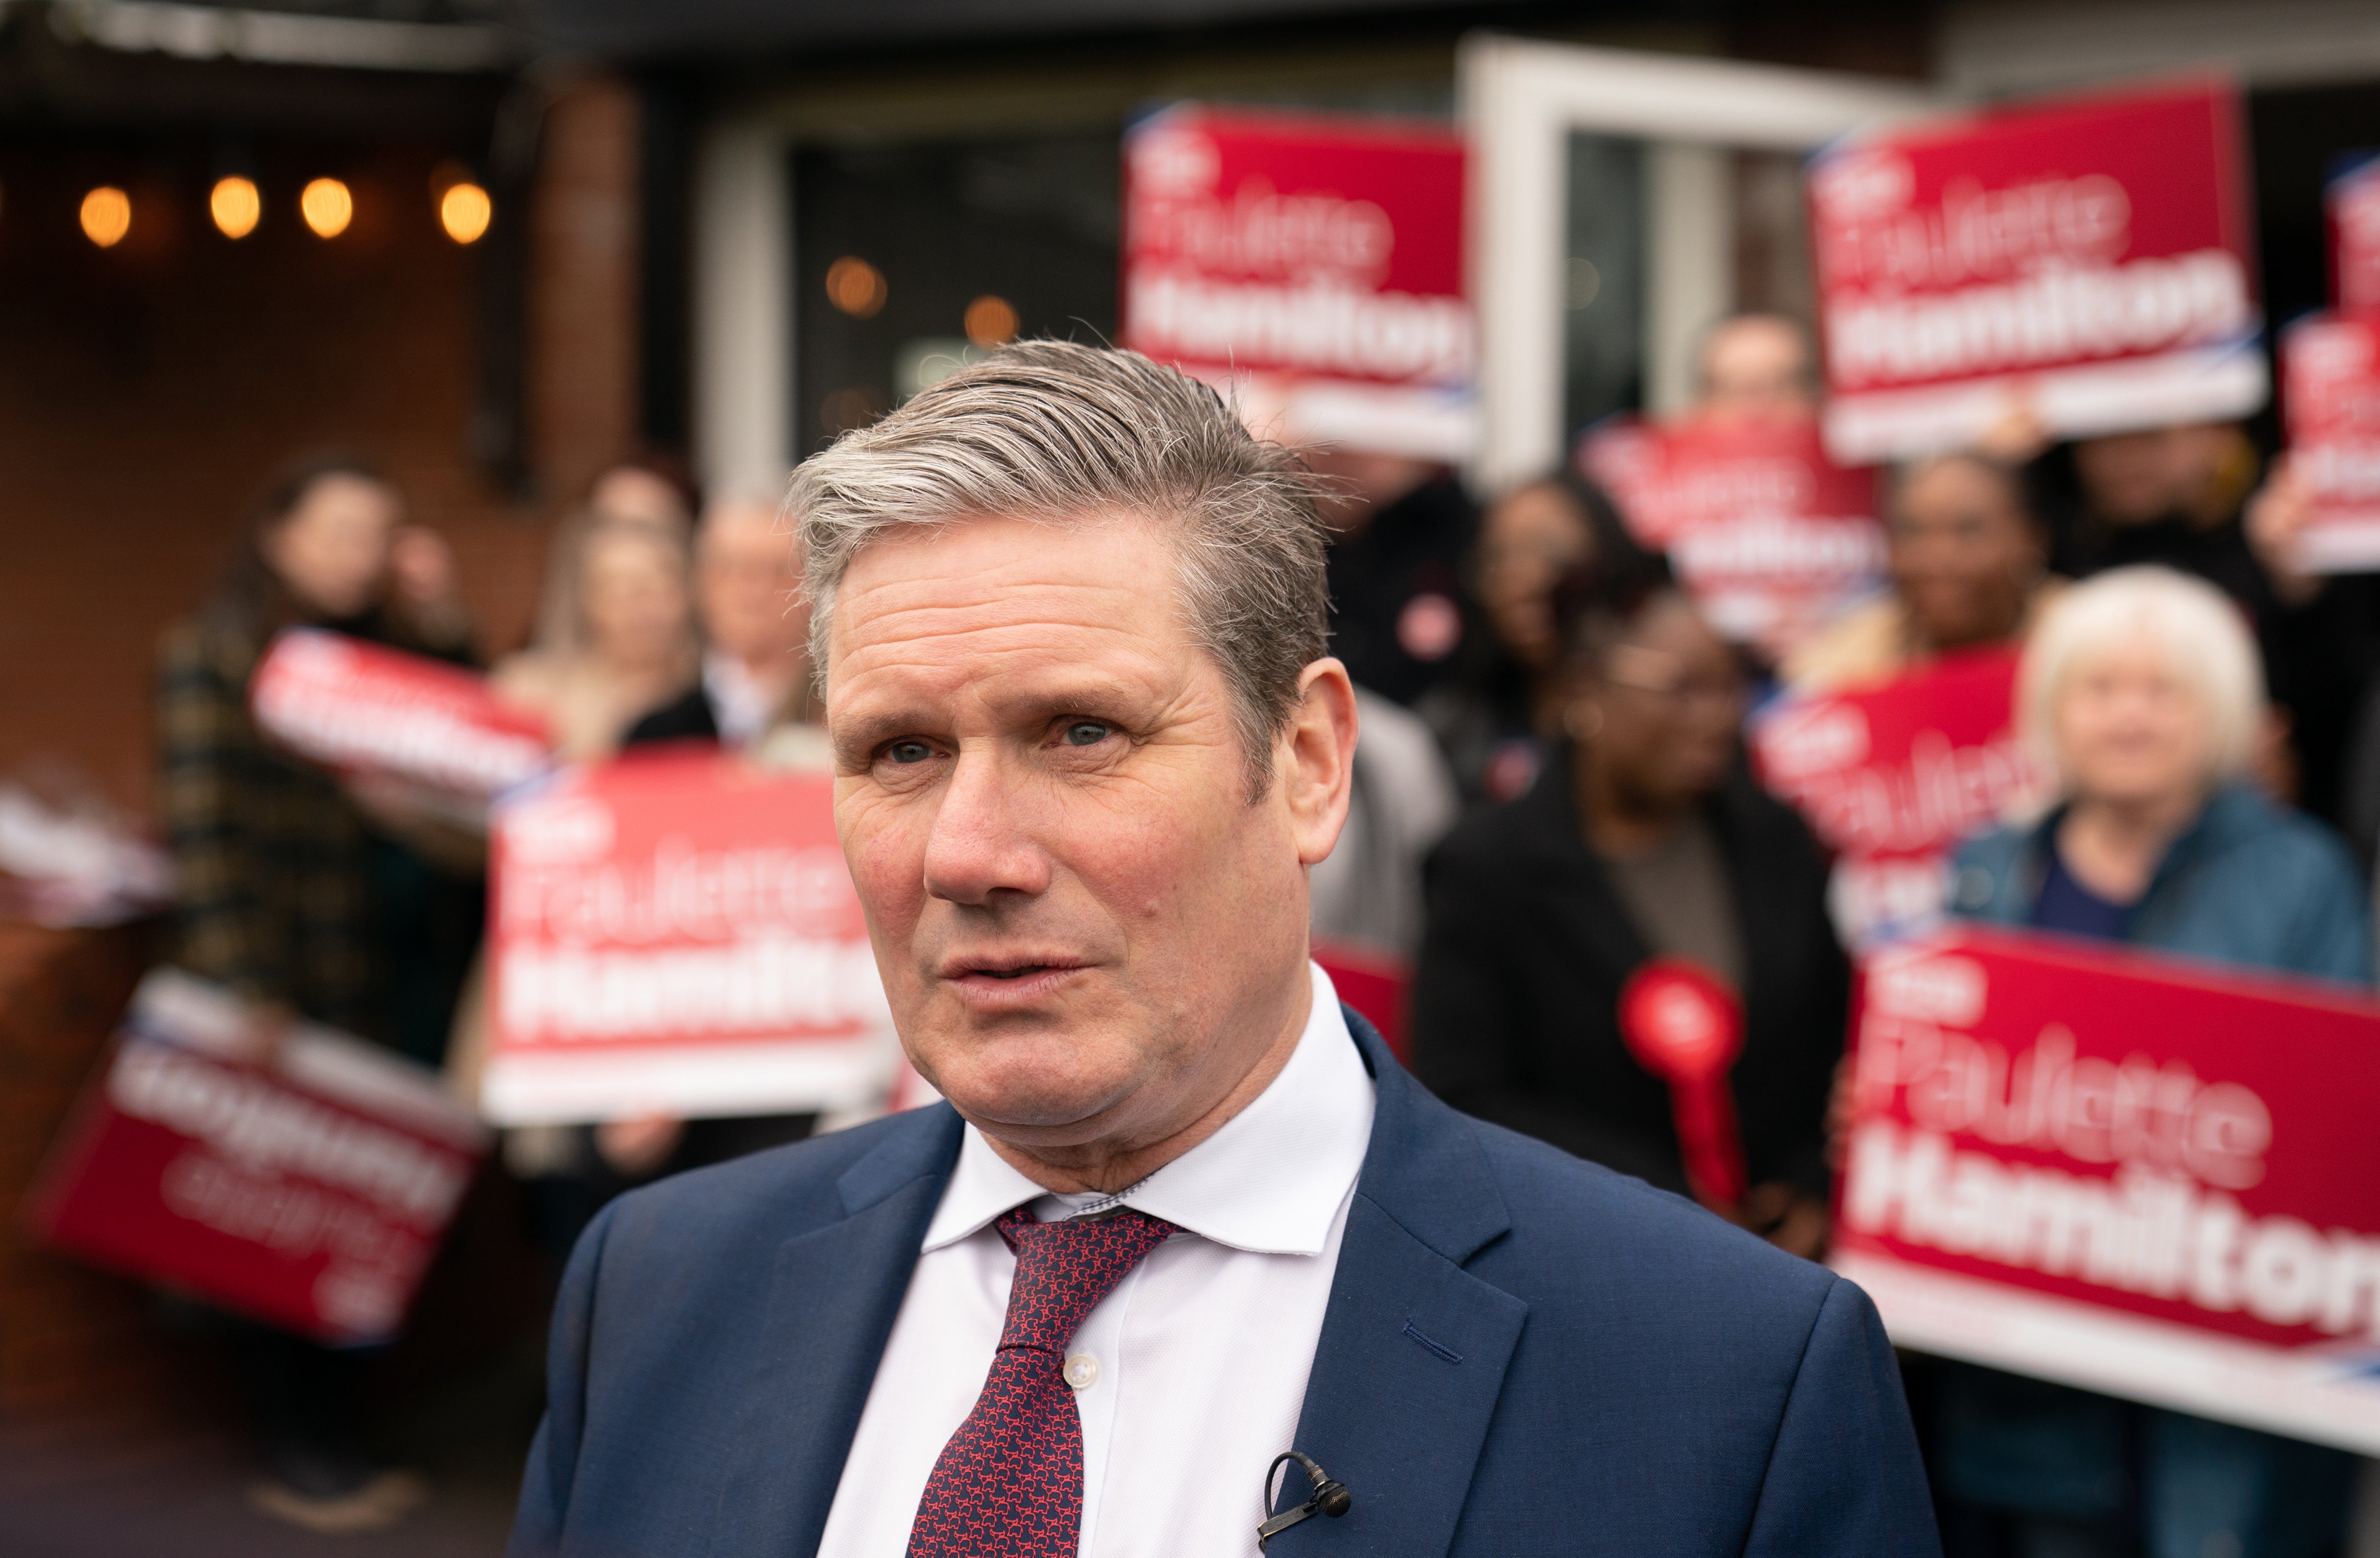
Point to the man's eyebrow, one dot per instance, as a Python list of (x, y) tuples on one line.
[(867, 727), (1106, 696)]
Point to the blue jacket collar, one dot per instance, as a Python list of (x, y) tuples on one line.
[(1414, 1348)]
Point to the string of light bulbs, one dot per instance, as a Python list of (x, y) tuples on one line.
[(327, 206)]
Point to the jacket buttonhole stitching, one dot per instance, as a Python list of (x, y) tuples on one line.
[(1448, 1354)]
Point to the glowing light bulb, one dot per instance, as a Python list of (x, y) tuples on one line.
[(327, 207), (855, 287), (990, 320), (106, 216), (235, 206), (465, 212)]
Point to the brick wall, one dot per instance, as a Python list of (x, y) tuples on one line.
[(145, 391)]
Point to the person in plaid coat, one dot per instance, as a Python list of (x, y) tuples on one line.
[(293, 895)]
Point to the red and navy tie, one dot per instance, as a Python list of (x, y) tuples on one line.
[(1009, 1482)]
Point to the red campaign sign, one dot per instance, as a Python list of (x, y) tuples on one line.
[(2330, 405), (1893, 777), (311, 1194), (2089, 258), (677, 932), (1771, 536), (2146, 1176), (363, 708), (2352, 201), (1314, 263)]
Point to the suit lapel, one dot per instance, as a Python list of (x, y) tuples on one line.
[(834, 1292), (1413, 1348)]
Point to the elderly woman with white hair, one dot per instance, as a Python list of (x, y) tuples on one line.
[(2142, 693)]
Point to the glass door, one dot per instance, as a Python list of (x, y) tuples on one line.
[(1622, 203)]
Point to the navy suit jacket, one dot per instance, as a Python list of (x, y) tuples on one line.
[(1523, 1353)]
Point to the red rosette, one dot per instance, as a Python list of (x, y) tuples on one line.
[(1683, 1024)]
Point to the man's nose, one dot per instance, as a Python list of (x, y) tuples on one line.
[(980, 846)]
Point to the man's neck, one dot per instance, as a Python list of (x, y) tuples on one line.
[(1108, 1166)]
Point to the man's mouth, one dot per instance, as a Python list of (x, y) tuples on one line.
[(1009, 977)]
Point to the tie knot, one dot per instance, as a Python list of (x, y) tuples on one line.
[(1064, 1269)]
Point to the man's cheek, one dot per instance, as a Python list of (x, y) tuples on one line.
[(887, 864)]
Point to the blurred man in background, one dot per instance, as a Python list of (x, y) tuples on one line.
[(1758, 366), (753, 669)]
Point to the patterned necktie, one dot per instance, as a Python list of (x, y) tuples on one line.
[(1009, 1482)]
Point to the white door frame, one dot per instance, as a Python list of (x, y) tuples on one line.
[(1520, 102)]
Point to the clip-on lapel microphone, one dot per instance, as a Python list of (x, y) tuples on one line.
[(1328, 1498)]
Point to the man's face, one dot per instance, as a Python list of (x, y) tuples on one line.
[(2139, 478), (745, 582), (1757, 368), (1083, 926)]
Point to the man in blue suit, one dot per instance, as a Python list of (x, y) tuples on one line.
[(1181, 1213)]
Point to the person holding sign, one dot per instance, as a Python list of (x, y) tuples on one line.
[(756, 676), (1969, 566), (616, 625), (1182, 1218), (2143, 691), (296, 897), (1646, 839)]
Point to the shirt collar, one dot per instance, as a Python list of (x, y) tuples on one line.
[(1269, 1181), (740, 701)]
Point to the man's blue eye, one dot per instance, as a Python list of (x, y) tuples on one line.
[(908, 751), (1086, 733)]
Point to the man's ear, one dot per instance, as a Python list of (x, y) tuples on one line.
[(1316, 758)]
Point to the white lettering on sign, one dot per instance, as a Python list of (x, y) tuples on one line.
[(1819, 737), (2343, 471), (1873, 238), (2051, 316), (2088, 1108), (558, 831), (287, 1216), (312, 694), (1777, 548), (268, 1129), (1928, 988), (765, 985), (678, 893), (1941, 794), (2143, 1231), (1319, 325), (1261, 233)]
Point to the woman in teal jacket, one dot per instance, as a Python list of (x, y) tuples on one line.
[(2247, 883), (2142, 691)]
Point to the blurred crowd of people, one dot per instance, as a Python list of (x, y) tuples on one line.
[(356, 903), (1551, 789)]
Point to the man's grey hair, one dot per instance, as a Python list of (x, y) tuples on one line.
[(1061, 433)]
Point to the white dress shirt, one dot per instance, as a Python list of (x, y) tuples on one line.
[(741, 703), (1191, 1374)]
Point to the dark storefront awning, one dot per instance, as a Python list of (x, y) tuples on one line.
[(718, 29)]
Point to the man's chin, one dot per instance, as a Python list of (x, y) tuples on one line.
[(1011, 1091)]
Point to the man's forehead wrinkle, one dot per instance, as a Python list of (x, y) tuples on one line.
[(945, 603)]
